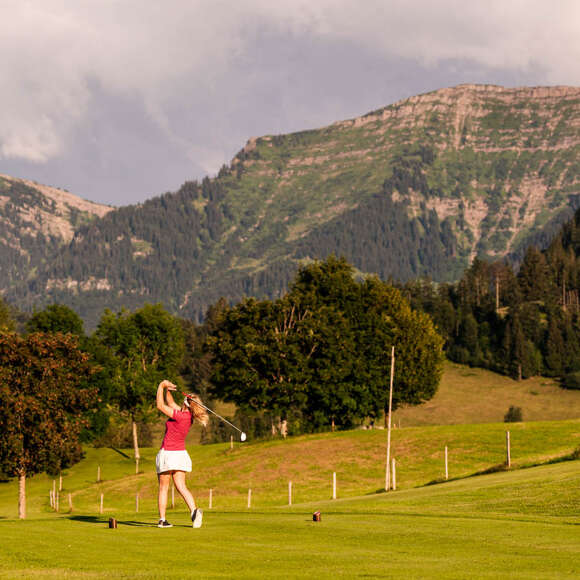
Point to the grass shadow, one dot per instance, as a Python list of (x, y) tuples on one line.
[(88, 519), (140, 524), (122, 453)]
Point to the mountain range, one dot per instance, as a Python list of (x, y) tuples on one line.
[(417, 188)]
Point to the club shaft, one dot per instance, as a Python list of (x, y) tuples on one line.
[(218, 416)]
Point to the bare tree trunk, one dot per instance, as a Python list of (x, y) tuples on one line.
[(22, 495)]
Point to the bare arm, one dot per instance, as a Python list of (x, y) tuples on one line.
[(169, 398), (160, 399)]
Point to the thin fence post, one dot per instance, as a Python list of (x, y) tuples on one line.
[(70, 504), (446, 464), (50, 497), (334, 485), (210, 498), (231, 441), (98, 474), (508, 450), (137, 503), (101, 505), (289, 493), (57, 502), (394, 482), (60, 482), (389, 418), (249, 497)]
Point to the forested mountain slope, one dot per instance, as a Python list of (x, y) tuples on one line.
[(417, 188), (35, 222)]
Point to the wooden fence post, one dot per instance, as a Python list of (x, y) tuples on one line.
[(101, 505), (446, 464), (210, 498), (289, 493), (389, 418), (394, 482), (99, 474), (334, 485), (508, 450), (70, 504), (249, 498)]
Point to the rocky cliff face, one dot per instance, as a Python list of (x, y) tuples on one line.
[(505, 161), (36, 220)]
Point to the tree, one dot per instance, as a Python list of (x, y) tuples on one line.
[(147, 346), (321, 352), (7, 323), (42, 405), (378, 317), (260, 355), (56, 318)]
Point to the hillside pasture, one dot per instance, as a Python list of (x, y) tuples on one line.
[(475, 395)]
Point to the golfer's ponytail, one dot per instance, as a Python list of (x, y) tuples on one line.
[(197, 411)]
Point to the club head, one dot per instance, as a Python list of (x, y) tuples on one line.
[(243, 436)]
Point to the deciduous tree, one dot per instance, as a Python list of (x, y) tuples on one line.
[(147, 345), (42, 404)]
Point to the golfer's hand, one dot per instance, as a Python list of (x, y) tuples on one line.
[(168, 385)]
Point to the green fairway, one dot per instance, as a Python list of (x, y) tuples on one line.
[(522, 524)]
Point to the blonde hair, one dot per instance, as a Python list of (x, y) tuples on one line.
[(197, 411)]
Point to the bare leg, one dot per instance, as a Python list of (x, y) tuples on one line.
[(180, 485), (164, 480)]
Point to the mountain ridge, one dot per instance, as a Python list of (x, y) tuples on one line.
[(439, 178)]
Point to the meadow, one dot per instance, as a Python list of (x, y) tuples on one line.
[(521, 523), (485, 521)]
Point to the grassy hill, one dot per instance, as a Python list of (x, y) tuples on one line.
[(472, 395), (517, 524), (358, 458)]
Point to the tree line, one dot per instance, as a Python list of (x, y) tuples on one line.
[(314, 359), (519, 322)]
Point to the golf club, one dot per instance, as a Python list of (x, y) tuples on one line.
[(191, 400)]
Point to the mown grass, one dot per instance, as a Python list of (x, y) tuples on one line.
[(519, 524)]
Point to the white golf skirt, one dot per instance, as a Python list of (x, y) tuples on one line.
[(172, 461)]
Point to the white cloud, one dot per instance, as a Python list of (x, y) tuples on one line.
[(169, 54)]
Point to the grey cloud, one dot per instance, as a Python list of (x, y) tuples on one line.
[(121, 100)]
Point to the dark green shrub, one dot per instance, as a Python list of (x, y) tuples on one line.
[(571, 380), (514, 415)]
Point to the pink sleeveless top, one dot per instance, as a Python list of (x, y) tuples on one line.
[(176, 430)]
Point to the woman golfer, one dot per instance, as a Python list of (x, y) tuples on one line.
[(173, 460)]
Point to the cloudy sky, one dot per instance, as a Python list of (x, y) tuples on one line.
[(121, 100)]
